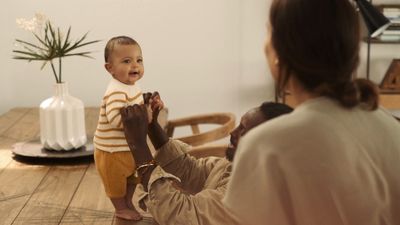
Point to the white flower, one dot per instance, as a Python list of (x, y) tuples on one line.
[(41, 20), (34, 24), (29, 25)]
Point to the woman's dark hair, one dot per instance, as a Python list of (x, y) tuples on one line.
[(318, 42)]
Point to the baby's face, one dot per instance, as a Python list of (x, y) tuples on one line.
[(126, 63)]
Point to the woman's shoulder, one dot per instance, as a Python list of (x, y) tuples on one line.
[(299, 121), (287, 133)]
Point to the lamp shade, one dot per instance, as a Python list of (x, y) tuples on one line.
[(375, 21)]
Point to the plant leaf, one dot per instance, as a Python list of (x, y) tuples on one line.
[(27, 43), (87, 43), (66, 41), (58, 39), (83, 54), (35, 55), (40, 40), (43, 65), (27, 58), (52, 45)]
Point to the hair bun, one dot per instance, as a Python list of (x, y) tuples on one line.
[(359, 91), (368, 93), (348, 94)]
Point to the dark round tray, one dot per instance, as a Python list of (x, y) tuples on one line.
[(35, 149)]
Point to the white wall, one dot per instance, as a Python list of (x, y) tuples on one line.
[(192, 51), (203, 56)]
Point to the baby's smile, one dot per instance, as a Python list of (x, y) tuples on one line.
[(134, 73)]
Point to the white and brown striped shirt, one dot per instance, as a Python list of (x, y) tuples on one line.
[(109, 135)]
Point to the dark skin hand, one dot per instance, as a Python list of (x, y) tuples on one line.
[(136, 127), (156, 133), (135, 123)]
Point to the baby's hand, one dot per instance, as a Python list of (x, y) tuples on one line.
[(154, 104), (149, 113)]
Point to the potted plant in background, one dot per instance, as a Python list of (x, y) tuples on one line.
[(62, 118)]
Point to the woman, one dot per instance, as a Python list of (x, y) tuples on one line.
[(335, 159)]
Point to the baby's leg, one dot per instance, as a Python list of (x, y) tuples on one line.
[(130, 190), (123, 211)]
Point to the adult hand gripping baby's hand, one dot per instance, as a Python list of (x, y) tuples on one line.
[(154, 103)]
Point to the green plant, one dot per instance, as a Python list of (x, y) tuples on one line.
[(51, 44)]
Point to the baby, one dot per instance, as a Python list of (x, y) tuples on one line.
[(113, 159)]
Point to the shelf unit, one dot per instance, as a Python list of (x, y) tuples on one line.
[(377, 41), (389, 98)]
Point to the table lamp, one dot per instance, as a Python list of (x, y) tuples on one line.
[(375, 22)]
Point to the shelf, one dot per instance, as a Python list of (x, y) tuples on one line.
[(377, 41), (389, 92)]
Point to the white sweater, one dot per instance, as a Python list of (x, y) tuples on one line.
[(321, 164), (109, 135)]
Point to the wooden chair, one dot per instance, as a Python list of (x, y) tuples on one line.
[(208, 150), (226, 120)]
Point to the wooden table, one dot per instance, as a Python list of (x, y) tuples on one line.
[(50, 193)]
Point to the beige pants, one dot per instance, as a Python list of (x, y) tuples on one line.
[(115, 169)]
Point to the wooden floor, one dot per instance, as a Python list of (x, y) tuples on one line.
[(43, 192)]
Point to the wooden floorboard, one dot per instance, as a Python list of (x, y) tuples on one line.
[(8, 119), (18, 183), (144, 221), (5, 159), (90, 204), (52, 192), (7, 143), (50, 200), (27, 127)]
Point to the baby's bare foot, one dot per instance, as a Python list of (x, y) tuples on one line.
[(128, 214)]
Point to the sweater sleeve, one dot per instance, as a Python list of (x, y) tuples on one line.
[(168, 203), (113, 104), (193, 173)]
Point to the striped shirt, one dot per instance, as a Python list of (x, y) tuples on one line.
[(109, 135)]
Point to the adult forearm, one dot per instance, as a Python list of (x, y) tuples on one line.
[(144, 162), (157, 135), (141, 153)]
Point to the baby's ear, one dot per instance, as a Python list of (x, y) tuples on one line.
[(108, 67)]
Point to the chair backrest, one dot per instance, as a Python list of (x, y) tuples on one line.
[(208, 150), (226, 120)]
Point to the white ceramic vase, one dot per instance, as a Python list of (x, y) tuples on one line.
[(62, 121)]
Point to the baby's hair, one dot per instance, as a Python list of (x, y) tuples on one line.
[(119, 40)]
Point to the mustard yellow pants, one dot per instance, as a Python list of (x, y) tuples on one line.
[(115, 169)]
